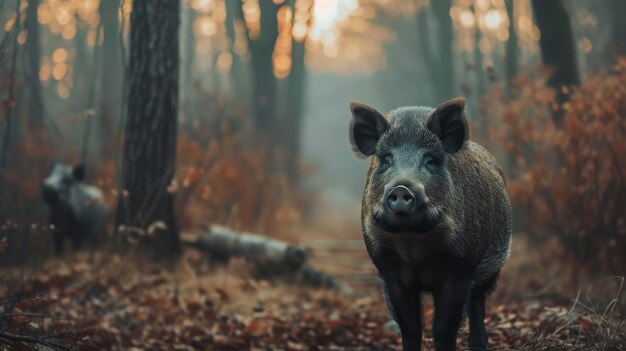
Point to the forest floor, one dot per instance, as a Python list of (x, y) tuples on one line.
[(119, 303)]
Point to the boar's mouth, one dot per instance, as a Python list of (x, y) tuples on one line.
[(423, 222)]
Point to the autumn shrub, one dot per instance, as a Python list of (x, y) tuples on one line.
[(566, 178), (226, 176)]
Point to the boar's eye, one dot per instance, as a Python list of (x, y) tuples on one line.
[(385, 162), (432, 163)]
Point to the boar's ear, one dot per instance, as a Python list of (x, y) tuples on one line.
[(79, 172), (448, 122), (365, 129)]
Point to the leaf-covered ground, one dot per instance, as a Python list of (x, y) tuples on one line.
[(127, 305)]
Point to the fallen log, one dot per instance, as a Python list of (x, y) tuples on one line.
[(269, 257)]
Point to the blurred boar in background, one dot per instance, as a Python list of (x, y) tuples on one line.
[(435, 216), (77, 210)]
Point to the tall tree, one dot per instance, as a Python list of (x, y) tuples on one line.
[(11, 106), (558, 50), (187, 52), (82, 74), (445, 40), (151, 126), (264, 81), (428, 54), (239, 72), (478, 60), (35, 104), (111, 71), (511, 46), (295, 95), (618, 33)]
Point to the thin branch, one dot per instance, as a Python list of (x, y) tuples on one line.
[(32, 340), (6, 40), (90, 113), (26, 314)]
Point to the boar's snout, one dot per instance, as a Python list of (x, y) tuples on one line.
[(405, 199), (400, 199)]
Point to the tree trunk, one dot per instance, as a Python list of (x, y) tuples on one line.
[(151, 126), (270, 258), (110, 75), (478, 63), (558, 50), (295, 94), (423, 32), (295, 99), (81, 74), (617, 9), (187, 52), (264, 81), (11, 107), (36, 112), (445, 52), (238, 71), (511, 48)]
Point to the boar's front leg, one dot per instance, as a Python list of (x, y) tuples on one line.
[(57, 237), (405, 307), (450, 302)]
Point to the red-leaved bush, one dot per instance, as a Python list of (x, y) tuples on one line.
[(226, 177), (567, 178)]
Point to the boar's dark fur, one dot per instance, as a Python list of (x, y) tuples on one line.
[(452, 237), (77, 210)]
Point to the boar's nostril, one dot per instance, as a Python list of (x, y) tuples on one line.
[(400, 199)]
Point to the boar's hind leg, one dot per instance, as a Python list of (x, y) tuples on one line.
[(405, 306), (478, 334), (449, 307)]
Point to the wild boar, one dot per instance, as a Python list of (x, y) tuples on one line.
[(77, 210), (435, 217)]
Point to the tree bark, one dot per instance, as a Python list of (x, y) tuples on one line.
[(110, 75), (264, 81), (558, 50), (151, 126), (11, 107), (36, 111), (295, 94)]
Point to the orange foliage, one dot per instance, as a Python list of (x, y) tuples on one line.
[(568, 180), (225, 177)]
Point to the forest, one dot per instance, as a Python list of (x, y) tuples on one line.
[(178, 174)]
